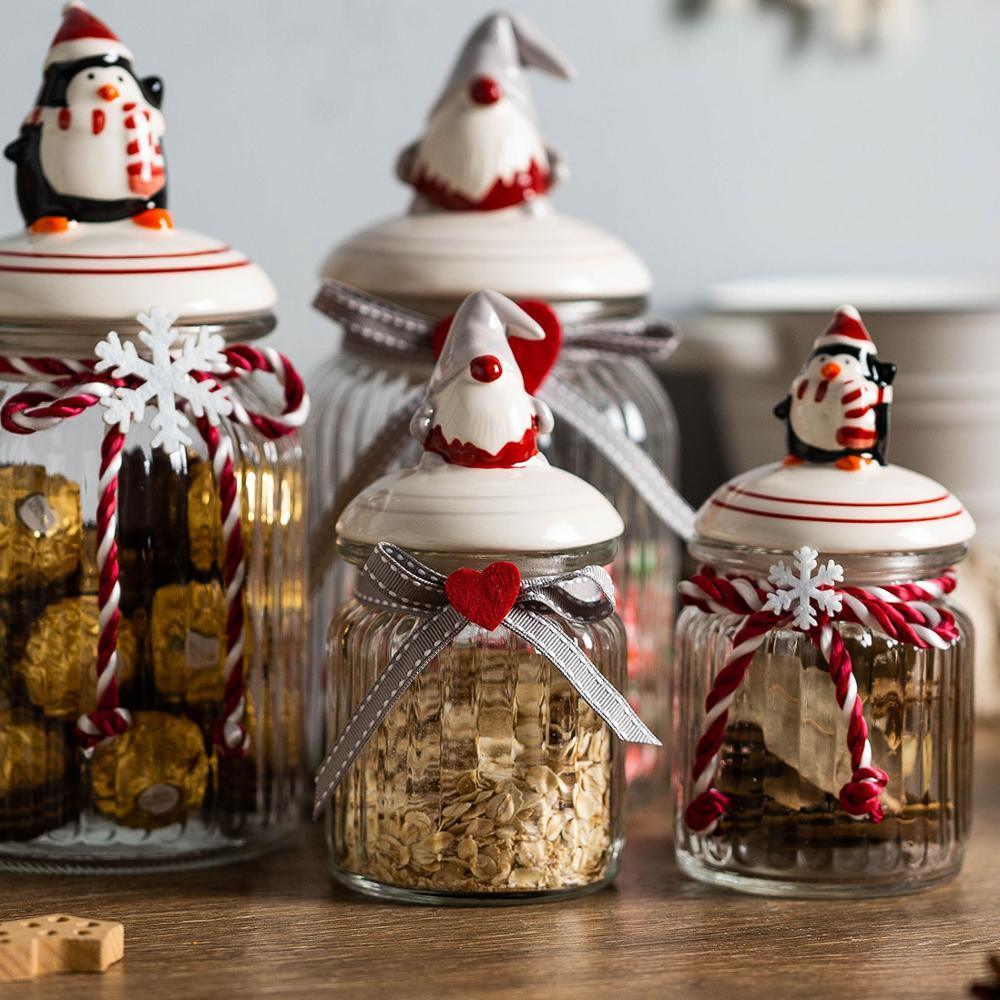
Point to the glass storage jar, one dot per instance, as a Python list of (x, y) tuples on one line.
[(784, 755), (161, 793), (485, 774), (152, 602), (824, 722), (425, 262), (491, 778)]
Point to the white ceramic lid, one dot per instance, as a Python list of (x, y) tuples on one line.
[(440, 507), (113, 270), (878, 508), (446, 255)]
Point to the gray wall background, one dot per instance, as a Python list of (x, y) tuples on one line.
[(713, 146)]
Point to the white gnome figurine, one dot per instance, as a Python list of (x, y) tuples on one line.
[(838, 407), (482, 149), (476, 411)]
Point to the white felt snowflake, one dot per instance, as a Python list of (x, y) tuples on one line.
[(166, 380), (803, 592)]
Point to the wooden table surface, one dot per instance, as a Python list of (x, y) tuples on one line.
[(280, 928)]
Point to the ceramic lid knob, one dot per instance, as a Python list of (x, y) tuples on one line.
[(835, 490), (482, 149), (482, 485), (92, 187)]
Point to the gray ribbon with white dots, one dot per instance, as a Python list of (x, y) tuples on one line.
[(392, 579)]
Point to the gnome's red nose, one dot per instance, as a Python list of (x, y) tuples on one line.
[(485, 368), (485, 90)]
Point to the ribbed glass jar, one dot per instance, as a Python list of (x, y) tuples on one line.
[(491, 780), (784, 755), (356, 392), (159, 795)]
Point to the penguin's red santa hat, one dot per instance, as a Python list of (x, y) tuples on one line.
[(845, 329), (83, 36)]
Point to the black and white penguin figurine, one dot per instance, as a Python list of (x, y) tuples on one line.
[(838, 407), (90, 150)]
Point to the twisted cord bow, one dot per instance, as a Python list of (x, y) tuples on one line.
[(73, 387), (394, 580), (374, 324), (903, 612)]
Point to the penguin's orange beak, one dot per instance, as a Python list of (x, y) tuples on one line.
[(830, 370), (109, 92)]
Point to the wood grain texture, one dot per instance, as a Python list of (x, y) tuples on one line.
[(279, 929)]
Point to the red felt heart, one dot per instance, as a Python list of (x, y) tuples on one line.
[(484, 597), (535, 358)]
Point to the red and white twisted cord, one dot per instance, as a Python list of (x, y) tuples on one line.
[(903, 612), (75, 390)]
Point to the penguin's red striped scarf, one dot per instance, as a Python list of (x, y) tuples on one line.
[(73, 387), (905, 612)]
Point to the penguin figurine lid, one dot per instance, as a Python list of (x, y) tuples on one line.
[(835, 490), (481, 485), (92, 187), (480, 215)]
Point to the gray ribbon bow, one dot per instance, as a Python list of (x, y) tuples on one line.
[(392, 579), (373, 324)]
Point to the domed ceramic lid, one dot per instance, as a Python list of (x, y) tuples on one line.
[(481, 485), (481, 174), (835, 490), (91, 185)]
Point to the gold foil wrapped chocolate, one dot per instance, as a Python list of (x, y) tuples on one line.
[(41, 537), (31, 754), (189, 642), (204, 518), (153, 775), (59, 665)]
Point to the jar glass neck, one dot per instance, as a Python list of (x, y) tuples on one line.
[(530, 564), (76, 338), (860, 568)]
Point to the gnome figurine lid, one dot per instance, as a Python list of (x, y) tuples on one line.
[(91, 184), (480, 214), (481, 486), (835, 490)]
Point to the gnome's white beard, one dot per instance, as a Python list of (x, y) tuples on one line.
[(485, 415), (469, 148)]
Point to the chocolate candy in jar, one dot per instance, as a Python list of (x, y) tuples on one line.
[(204, 517), (188, 640), (58, 667), (496, 767), (114, 285), (153, 775), (825, 726), (39, 776), (40, 527), (483, 186)]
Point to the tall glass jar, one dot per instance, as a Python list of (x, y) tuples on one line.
[(491, 779), (160, 794), (784, 754)]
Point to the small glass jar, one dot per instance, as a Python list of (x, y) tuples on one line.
[(824, 726), (160, 794), (491, 780), (784, 756)]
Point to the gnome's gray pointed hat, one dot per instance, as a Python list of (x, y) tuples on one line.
[(480, 328), (501, 47)]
